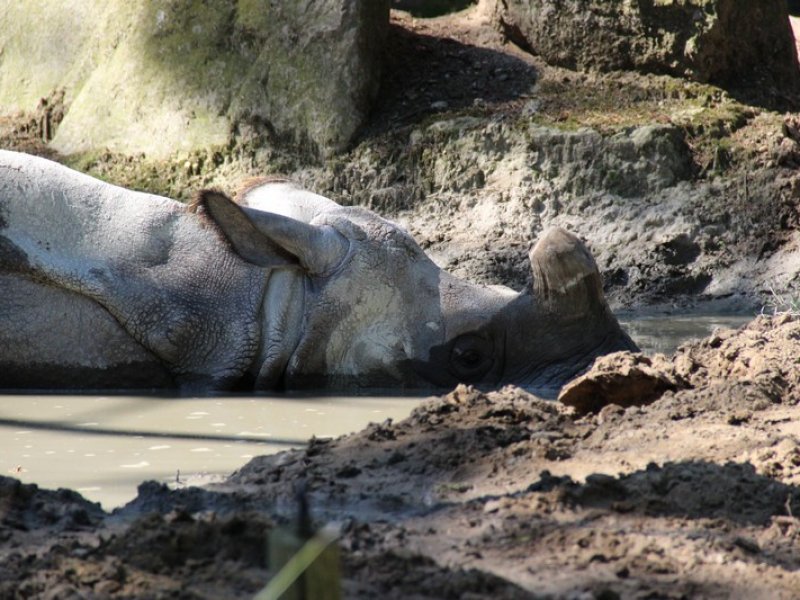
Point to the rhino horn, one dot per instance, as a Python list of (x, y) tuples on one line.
[(271, 240), (565, 279)]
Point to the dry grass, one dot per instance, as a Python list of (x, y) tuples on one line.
[(781, 304)]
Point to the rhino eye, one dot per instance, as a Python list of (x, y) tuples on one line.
[(470, 357)]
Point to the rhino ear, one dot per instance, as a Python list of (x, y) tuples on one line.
[(270, 240), (565, 277)]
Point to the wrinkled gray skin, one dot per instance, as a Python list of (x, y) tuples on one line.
[(105, 287)]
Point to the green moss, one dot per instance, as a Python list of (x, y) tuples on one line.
[(164, 76), (60, 57), (177, 177), (254, 16)]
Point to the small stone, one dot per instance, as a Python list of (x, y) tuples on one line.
[(739, 417), (106, 588), (610, 412), (396, 457), (348, 472)]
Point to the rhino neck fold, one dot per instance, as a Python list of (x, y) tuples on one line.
[(281, 329)]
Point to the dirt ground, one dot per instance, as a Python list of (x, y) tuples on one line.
[(687, 488), (476, 146)]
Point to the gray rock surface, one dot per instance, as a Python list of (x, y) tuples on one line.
[(160, 77), (718, 41)]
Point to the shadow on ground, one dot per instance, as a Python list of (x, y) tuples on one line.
[(425, 74)]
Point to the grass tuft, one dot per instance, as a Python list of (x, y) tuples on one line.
[(781, 304)]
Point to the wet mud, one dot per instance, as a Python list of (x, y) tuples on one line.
[(478, 495)]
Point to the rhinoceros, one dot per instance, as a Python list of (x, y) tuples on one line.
[(283, 289)]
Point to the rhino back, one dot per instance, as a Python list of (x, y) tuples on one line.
[(71, 214), (169, 280), (40, 351)]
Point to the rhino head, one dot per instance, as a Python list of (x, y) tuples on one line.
[(353, 301)]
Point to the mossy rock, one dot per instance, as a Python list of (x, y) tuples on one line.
[(164, 76)]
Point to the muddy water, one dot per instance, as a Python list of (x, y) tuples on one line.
[(104, 446), (665, 333)]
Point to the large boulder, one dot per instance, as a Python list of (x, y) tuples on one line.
[(158, 76), (725, 42)]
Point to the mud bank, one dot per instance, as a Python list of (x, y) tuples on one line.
[(498, 495)]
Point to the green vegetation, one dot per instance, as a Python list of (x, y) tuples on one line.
[(613, 102), (781, 304), (406, 161)]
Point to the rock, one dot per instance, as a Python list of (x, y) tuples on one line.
[(321, 60), (107, 588), (430, 8), (622, 379), (160, 77), (716, 41)]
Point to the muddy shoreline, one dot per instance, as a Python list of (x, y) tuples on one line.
[(498, 494)]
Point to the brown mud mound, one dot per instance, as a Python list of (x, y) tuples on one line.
[(765, 355), (476, 495)]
